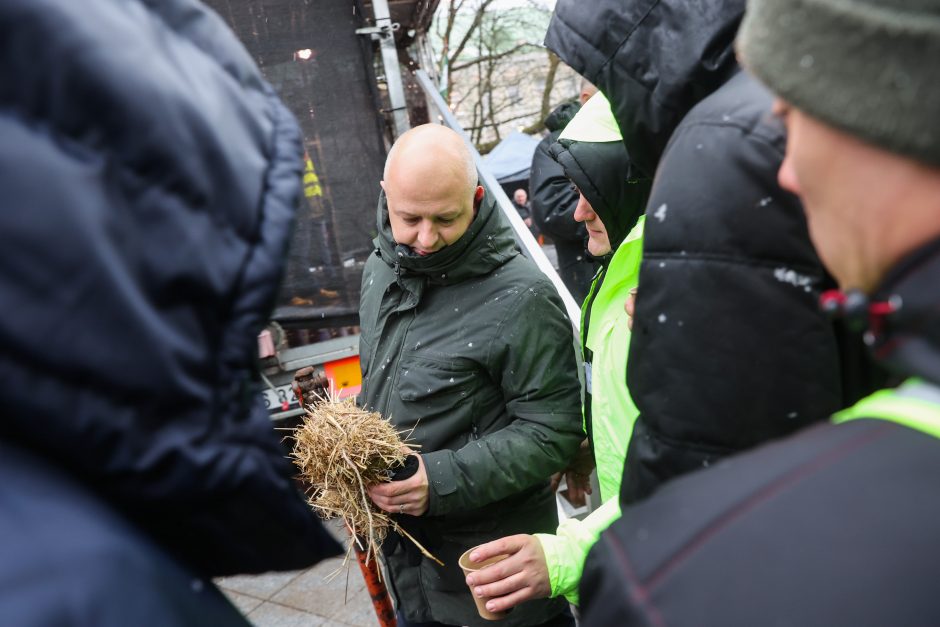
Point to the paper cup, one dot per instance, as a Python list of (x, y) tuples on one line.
[(471, 567)]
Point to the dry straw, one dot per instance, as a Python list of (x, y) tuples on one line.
[(340, 449)]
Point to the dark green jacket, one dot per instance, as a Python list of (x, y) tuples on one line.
[(472, 349)]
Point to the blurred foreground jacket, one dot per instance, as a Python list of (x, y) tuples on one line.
[(148, 178)]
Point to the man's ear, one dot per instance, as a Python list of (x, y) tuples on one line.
[(382, 184), (477, 199)]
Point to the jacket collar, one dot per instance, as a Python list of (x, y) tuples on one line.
[(907, 338)]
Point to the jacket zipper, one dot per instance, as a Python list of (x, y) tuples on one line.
[(401, 347)]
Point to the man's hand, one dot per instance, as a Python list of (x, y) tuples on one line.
[(577, 476), (630, 306), (403, 497), (520, 577)]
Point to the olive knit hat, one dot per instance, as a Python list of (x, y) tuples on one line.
[(868, 67)]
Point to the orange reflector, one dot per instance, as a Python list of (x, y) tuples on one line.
[(344, 375)]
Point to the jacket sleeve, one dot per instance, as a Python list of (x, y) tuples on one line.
[(533, 359), (553, 198), (566, 551)]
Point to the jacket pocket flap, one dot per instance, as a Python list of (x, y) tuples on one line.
[(424, 378)]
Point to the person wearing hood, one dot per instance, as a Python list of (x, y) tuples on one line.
[(729, 348), (553, 202), (836, 525), (465, 346), (145, 225), (590, 150)]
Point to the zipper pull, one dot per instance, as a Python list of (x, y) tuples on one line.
[(400, 254)]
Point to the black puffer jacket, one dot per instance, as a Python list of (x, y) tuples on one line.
[(553, 202), (728, 348), (653, 59), (149, 178)]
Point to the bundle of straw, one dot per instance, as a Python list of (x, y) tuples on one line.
[(340, 449)]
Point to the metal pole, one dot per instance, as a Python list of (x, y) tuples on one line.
[(396, 91)]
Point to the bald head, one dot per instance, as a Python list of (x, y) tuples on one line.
[(430, 185), (433, 154)]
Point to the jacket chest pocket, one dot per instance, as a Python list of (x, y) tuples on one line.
[(435, 382)]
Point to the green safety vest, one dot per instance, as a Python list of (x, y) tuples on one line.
[(914, 404)]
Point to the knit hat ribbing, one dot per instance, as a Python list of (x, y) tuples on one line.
[(868, 67)]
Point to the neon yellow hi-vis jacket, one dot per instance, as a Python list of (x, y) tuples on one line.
[(612, 414)]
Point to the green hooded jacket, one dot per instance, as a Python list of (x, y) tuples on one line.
[(470, 347)]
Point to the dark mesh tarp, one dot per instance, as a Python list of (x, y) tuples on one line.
[(331, 93)]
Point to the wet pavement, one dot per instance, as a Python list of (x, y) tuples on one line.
[(305, 598)]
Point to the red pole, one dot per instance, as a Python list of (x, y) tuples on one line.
[(381, 602)]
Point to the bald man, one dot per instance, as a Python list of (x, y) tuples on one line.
[(465, 345)]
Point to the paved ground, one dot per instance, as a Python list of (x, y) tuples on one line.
[(306, 598)]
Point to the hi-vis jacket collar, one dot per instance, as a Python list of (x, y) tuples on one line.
[(594, 122)]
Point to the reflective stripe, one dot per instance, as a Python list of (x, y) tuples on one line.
[(914, 404)]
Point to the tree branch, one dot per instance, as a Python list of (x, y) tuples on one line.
[(477, 20), (491, 57)]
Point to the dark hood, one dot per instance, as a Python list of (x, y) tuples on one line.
[(145, 219), (558, 119), (487, 244), (604, 174), (653, 59)]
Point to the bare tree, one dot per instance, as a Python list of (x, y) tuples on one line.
[(494, 73)]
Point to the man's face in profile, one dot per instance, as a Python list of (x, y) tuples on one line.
[(842, 184)]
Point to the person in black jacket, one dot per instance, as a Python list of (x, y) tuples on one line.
[(149, 177), (554, 200), (838, 524), (728, 347)]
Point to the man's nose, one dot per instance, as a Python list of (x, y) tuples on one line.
[(786, 175), (583, 211), (427, 237)]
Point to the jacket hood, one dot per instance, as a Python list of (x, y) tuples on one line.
[(653, 59), (602, 171), (561, 115), (177, 203), (487, 244), (591, 152)]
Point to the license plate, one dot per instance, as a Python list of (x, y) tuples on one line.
[(280, 398)]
